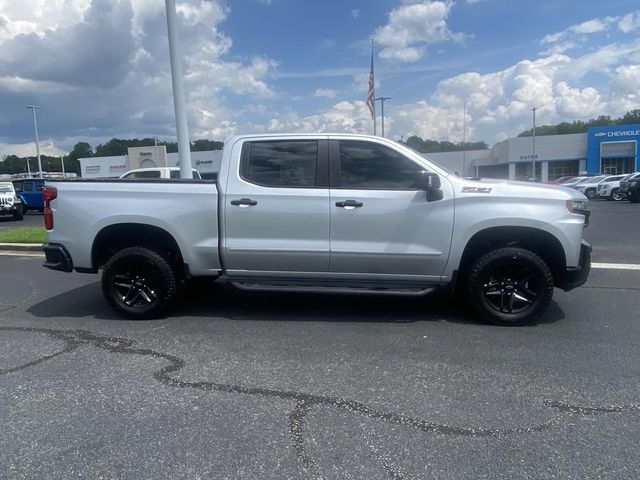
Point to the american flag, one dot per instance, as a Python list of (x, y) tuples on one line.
[(372, 94)]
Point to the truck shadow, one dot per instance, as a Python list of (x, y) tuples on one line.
[(207, 299)]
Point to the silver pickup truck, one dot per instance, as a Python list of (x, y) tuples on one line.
[(339, 213)]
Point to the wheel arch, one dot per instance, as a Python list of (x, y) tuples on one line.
[(542, 243), (113, 238)]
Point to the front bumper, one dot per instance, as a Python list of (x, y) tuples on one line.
[(57, 257), (577, 276)]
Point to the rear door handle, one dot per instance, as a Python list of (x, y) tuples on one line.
[(349, 204), (244, 202)]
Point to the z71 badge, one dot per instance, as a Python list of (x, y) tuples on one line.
[(476, 189)]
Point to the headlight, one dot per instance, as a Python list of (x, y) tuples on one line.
[(577, 206)]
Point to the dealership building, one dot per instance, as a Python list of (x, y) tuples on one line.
[(611, 149)]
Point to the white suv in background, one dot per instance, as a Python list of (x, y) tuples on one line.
[(588, 188), (609, 188)]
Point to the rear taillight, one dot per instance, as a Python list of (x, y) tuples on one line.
[(48, 194)]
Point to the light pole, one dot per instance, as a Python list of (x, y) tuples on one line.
[(184, 147), (464, 138), (533, 157), (35, 128), (382, 100), (64, 175)]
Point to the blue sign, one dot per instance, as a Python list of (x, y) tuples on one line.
[(599, 136)]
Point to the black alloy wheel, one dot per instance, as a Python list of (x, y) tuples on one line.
[(510, 286), (617, 195), (138, 283)]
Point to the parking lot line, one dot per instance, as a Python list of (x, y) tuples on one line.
[(616, 266), (11, 253)]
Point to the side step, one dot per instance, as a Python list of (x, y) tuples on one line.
[(395, 291)]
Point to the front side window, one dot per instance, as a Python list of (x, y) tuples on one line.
[(372, 166), (27, 187), (281, 163)]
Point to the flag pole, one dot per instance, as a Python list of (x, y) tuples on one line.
[(371, 103)]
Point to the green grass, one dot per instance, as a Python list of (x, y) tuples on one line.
[(23, 235)]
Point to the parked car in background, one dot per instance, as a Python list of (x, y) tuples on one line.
[(630, 186), (588, 188), (157, 172), (560, 180), (574, 181), (29, 190), (609, 188), (10, 204)]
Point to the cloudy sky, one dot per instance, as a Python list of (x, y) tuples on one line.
[(99, 68)]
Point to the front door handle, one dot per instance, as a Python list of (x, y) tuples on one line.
[(349, 204), (244, 202)]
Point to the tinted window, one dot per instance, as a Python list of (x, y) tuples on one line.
[(27, 187), (176, 174), (147, 174), (39, 186), (287, 163), (367, 165), (17, 186)]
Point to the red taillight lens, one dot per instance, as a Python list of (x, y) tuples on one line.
[(49, 193)]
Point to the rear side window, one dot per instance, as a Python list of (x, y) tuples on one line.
[(371, 166), (148, 174), (39, 186), (281, 163)]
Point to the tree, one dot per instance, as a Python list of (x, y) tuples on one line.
[(80, 150)]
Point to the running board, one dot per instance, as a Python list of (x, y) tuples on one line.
[(407, 291)]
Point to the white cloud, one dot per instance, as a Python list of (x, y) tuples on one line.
[(630, 22), (325, 92), (577, 31), (111, 58), (47, 147), (412, 27), (342, 117), (553, 84)]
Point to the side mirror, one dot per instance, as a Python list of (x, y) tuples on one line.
[(429, 182)]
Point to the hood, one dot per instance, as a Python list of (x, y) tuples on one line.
[(510, 188)]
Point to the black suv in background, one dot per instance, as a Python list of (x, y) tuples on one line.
[(630, 186)]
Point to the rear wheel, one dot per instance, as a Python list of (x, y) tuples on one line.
[(510, 286), (590, 193), (138, 283)]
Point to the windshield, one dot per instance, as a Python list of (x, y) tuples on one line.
[(6, 187)]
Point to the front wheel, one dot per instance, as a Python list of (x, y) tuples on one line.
[(17, 214), (617, 195), (510, 286), (138, 283), (634, 197), (590, 194)]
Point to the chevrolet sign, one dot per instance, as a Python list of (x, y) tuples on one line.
[(623, 133)]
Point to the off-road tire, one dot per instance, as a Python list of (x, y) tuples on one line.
[(134, 275), (528, 276)]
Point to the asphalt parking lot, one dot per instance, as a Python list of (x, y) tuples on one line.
[(257, 386), (31, 219)]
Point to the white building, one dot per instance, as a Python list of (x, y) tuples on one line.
[(207, 163)]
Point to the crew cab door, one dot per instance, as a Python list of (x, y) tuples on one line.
[(276, 208), (381, 224)]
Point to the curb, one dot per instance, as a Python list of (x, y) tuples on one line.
[(23, 247)]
